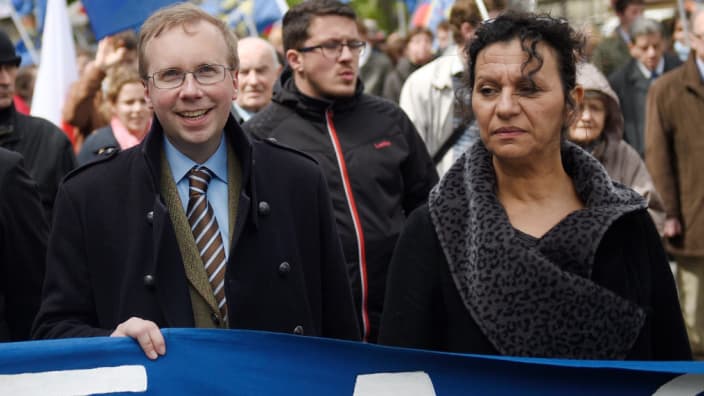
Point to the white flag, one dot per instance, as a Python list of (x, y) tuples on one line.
[(57, 66)]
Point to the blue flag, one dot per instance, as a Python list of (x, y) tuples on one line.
[(238, 362), (112, 16), (247, 17)]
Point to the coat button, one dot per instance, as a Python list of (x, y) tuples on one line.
[(150, 217), (264, 208), (149, 281), (284, 268), (298, 330), (216, 320)]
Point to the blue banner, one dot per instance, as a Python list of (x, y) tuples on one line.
[(113, 16), (259, 363)]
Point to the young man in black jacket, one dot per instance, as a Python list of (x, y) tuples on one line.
[(376, 165)]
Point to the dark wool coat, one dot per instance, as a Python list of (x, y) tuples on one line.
[(48, 154), (434, 316), (113, 252), (23, 233)]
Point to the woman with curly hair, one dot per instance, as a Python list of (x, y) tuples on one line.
[(526, 246)]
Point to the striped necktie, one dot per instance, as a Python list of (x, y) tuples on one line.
[(205, 230)]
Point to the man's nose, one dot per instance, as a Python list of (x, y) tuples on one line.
[(190, 85)]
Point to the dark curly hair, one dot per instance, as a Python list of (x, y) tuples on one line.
[(531, 29)]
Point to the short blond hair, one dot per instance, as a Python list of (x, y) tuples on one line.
[(117, 79), (184, 15)]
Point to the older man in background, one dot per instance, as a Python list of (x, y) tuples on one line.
[(632, 81), (47, 152), (259, 68), (673, 147)]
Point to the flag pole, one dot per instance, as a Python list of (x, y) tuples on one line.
[(401, 16), (23, 33), (482, 9)]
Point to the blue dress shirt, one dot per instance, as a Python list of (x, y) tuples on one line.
[(217, 189)]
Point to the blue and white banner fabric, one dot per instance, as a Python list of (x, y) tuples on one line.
[(238, 362)]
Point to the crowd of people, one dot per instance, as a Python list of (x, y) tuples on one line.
[(484, 189)]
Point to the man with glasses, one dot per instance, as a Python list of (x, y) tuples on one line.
[(673, 154), (198, 226), (375, 163)]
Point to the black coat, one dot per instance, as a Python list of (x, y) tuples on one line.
[(113, 251), (631, 86), (48, 154), (370, 145), (23, 234), (424, 308)]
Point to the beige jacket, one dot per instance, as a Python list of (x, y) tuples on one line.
[(428, 99), (674, 152)]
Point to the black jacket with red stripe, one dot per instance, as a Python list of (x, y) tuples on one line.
[(377, 168)]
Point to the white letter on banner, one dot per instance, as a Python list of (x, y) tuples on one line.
[(76, 382), (684, 385), (413, 383)]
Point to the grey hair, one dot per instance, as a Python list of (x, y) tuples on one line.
[(644, 26)]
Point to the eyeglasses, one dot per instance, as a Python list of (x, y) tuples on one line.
[(174, 78), (333, 49)]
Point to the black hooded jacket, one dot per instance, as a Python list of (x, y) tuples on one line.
[(377, 168)]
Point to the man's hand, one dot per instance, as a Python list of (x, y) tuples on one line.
[(146, 333), (672, 227)]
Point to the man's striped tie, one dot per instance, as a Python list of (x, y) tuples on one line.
[(205, 230)]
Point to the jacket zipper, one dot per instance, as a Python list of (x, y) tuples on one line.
[(352, 205)]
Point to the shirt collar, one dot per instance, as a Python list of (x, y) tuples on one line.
[(245, 114), (659, 69), (181, 164), (624, 34)]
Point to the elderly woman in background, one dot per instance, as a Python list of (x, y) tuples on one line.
[(526, 247), (599, 130), (131, 117)]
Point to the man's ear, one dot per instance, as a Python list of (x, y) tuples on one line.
[(147, 97), (295, 60), (632, 50)]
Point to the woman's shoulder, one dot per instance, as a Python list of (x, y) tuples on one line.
[(419, 222), (633, 228), (100, 137)]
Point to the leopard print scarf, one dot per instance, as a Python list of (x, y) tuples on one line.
[(534, 297)]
